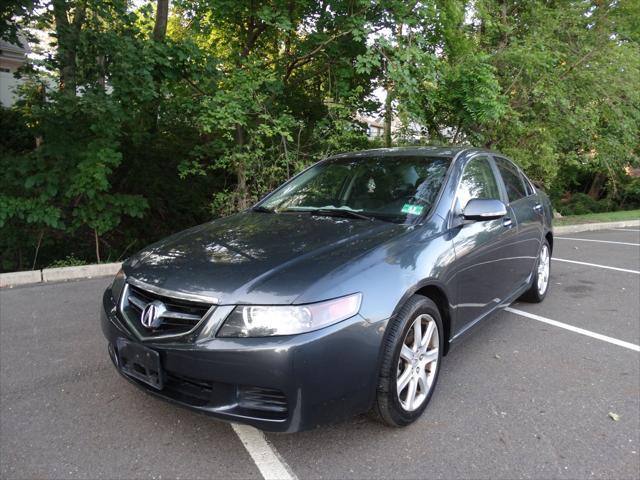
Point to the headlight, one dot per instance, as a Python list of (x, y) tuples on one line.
[(266, 321), (118, 285)]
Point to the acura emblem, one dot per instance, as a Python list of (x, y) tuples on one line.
[(151, 316)]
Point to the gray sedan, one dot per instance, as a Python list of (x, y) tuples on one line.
[(338, 293)]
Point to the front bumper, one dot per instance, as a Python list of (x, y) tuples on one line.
[(282, 384)]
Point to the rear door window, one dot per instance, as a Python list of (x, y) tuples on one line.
[(513, 182)]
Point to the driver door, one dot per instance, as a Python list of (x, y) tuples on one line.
[(484, 249)]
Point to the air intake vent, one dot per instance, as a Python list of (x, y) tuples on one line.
[(264, 400)]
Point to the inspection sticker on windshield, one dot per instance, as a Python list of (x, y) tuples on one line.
[(412, 209)]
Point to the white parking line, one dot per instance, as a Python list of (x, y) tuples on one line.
[(596, 265), (626, 229), (271, 466), (598, 241), (571, 328)]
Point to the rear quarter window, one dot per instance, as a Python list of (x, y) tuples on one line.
[(528, 186)]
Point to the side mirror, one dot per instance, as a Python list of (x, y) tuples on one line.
[(481, 209)]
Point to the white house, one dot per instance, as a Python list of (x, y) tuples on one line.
[(12, 57), (375, 126)]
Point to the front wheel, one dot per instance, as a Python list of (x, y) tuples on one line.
[(540, 282), (411, 362)]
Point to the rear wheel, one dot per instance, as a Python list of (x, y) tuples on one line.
[(540, 282), (411, 362)]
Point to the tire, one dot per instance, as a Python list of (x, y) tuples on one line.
[(422, 370), (536, 293)]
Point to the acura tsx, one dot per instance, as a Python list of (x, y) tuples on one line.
[(338, 293)]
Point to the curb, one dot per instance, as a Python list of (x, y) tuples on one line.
[(13, 279), (590, 227), (58, 274)]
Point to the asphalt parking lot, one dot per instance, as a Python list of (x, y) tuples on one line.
[(519, 398)]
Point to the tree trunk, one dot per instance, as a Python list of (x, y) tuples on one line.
[(68, 71), (152, 109), (596, 186), (102, 75), (388, 101), (388, 115), (162, 16), (35, 255), (97, 240), (434, 133), (503, 23), (68, 33), (42, 97), (66, 47)]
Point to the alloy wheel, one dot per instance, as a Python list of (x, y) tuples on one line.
[(418, 362), (543, 270)]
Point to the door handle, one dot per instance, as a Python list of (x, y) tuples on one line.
[(538, 208), (507, 222)]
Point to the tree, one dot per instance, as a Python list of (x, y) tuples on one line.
[(186, 109), (554, 63), (278, 62)]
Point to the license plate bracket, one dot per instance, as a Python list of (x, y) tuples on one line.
[(140, 362)]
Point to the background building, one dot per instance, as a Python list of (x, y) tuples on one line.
[(12, 57)]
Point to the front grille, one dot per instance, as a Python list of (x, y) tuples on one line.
[(179, 317)]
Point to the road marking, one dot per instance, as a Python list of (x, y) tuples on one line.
[(271, 466), (598, 241), (597, 265), (571, 328), (626, 229)]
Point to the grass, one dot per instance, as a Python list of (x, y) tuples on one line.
[(598, 217)]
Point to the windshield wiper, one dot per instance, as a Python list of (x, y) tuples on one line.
[(262, 209), (339, 212)]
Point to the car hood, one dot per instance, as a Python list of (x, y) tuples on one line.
[(259, 258)]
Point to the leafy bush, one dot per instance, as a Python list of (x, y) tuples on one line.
[(68, 261), (580, 204), (630, 194)]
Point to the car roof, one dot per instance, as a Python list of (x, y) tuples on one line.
[(408, 151)]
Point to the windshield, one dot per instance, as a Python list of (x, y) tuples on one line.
[(396, 189)]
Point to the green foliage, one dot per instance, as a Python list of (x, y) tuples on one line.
[(580, 204), (119, 138), (630, 193), (68, 261), (567, 69)]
